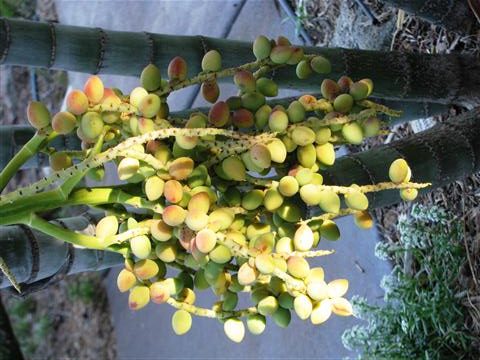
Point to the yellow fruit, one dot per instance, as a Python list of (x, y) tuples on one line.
[(325, 153), (408, 194), (399, 171), (181, 322), (256, 324), (363, 219), (302, 306), (77, 102), (181, 168), (337, 288), (139, 297), (107, 226), (356, 200), (234, 329), (145, 269), (94, 89), (297, 266), (321, 312), (341, 307), (159, 292), (125, 280), (160, 231), (303, 239)]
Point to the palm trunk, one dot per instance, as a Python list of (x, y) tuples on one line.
[(34, 257), (9, 347), (447, 152), (452, 14), (452, 78)]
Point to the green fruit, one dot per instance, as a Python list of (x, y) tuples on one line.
[(285, 300), (306, 155), (138, 297), (273, 200), (212, 61), (369, 84), (166, 251), (252, 199), (408, 194), (59, 161), (173, 191), (160, 231), (321, 312), (288, 186), (323, 135), (145, 269), (284, 245), (264, 243), (310, 194), (321, 65), (150, 78), (234, 329), (245, 81), (264, 263), (282, 317), (343, 103), (247, 274), (154, 188), (140, 246), (96, 174), (234, 102), (325, 153), (177, 69), (278, 121), (303, 70), (233, 196), (290, 212), (329, 89), (242, 118), (137, 95), (302, 136), (399, 171), (280, 54), (63, 122), (353, 133), (219, 114), (345, 82), (363, 219), (278, 151), (253, 100), (290, 146), (267, 87), (91, 125), (198, 177), (206, 240), (256, 229), (297, 56), (220, 219), (304, 176), (267, 306), (329, 201), (181, 168), (296, 112), (371, 127), (174, 215), (210, 91), (260, 156), (200, 281), (181, 322), (125, 280), (230, 300), (262, 115), (108, 226), (196, 220), (127, 168), (303, 238), (262, 47), (221, 254), (359, 91), (298, 267), (356, 200), (329, 230), (303, 306), (317, 179), (256, 324), (149, 105), (247, 160), (258, 294), (77, 103)]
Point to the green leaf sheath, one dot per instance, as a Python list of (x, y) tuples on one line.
[(443, 78)]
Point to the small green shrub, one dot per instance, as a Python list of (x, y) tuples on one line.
[(422, 316), (82, 290)]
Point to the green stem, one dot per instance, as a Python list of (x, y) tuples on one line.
[(28, 150), (69, 236)]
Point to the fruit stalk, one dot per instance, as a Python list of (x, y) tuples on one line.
[(446, 78)]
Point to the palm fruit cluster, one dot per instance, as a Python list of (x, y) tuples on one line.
[(225, 194)]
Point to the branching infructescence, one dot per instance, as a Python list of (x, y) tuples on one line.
[(224, 198)]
